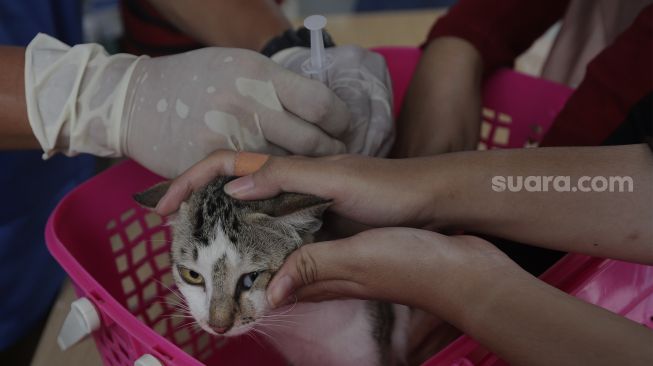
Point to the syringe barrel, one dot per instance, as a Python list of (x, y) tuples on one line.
[(318, 62), (317, 50)]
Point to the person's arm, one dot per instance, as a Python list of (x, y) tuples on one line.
[(455, 191), (226, 23), (607, 224), (442, 108), (15, 132), (467, 282)]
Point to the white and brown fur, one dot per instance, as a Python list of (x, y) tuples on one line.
[(224, 239)]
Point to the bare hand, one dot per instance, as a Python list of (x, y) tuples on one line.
[(362, 189), (400, 265)]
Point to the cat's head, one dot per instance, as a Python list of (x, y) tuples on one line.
[(225, 251)]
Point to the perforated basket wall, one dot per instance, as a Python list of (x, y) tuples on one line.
[(140, 248)]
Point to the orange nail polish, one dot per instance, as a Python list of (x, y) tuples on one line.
[(247, 163)]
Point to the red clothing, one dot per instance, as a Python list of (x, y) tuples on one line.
[(618, 78), (148, 33)]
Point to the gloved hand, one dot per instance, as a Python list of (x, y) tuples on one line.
[(360, 78), (168, 113)]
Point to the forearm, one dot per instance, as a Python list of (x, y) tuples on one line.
[(609, 224), (528, 322), (15, 131), (443, 101), (226, 23)]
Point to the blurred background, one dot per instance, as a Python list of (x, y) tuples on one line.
[(368, 23), (102, 21)]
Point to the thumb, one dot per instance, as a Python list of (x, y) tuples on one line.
[(310, 267)]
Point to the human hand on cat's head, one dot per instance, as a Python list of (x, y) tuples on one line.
[(415, 267), (362, 189)]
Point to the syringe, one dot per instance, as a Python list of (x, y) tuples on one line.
[(317, 65)]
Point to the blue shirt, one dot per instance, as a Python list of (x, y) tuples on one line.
[(30, 187)]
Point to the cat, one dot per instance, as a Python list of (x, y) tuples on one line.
[(225, 252)]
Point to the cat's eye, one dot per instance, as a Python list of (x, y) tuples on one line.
[(247, 280), (190, 277)]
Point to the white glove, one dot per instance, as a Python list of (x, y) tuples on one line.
[(360, 78), (169, 112)]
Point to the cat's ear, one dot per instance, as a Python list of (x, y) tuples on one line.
[(151, 197), (303, 212)]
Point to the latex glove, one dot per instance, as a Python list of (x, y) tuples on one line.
[(169, 112), (360, 78)]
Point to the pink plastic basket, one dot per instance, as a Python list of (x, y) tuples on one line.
[(117, 253)]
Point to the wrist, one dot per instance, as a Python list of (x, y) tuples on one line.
[(15, 125), (472, 276), (125, 94), (444, 185)]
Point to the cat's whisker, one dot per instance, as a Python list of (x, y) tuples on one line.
[(280, 325), (174, 304), (178, 308), (287, 316), (184, 325), (278, 321), (252, 335), (188, 326), (272, 327), (177, 316), (167, 297), (173, 291), (160, 240), (289, 310), (272, 339), (272, 332), (164, 285)]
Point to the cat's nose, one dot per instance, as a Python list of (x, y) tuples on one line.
[(221, 330)]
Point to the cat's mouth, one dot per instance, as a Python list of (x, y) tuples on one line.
[(236, 329)]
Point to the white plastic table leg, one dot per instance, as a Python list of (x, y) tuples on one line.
[(82, 320)]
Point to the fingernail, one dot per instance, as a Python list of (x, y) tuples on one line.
[(279, 291), (239, 186), (246, 163), (160, 205)]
